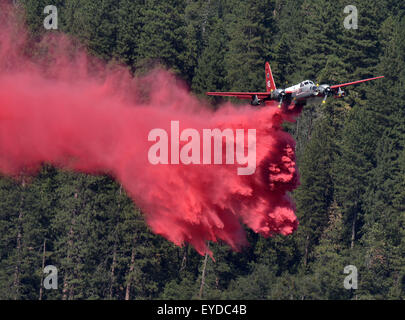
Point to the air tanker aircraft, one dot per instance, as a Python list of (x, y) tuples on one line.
[(300, 94)]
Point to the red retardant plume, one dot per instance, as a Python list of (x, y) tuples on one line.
[(62, 107)]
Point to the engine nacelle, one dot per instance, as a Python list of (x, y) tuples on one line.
[(340, 93), (324, 89), (255, 101), (277, 94)]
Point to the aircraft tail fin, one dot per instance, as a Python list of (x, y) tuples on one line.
[(270, 84)]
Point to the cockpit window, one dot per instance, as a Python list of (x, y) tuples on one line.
[(306, 82)]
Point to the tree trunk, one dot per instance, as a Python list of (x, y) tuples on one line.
[(205, 17), (42, 271), (65, 287), (70, 245), (112, 275), (306, 250), (17, 270), (203, 274), (131, 270), (16, 283), (310, 126), (353, 230), (184, 260), (114, 262), (71, 292)]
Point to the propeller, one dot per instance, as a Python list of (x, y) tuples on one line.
[(328, 92), (255, 101), (282, 95), (324, 90)]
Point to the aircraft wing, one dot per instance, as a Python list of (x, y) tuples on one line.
[(243, 95), (355, 82)]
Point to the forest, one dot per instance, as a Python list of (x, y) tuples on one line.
[(350, 154)]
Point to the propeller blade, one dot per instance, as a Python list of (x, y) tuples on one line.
[(280, 103)]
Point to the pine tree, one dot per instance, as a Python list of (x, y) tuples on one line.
[(162, 36), (249, 28), (211, 73), (315, 194)]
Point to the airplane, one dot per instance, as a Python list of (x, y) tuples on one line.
[(300, 94)]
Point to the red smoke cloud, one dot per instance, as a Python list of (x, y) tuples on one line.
[(62, 107)]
